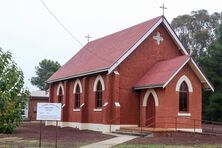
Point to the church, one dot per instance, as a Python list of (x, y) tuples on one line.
[(141, 76)]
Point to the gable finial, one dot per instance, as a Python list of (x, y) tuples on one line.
[(88, 37), (163, 7)]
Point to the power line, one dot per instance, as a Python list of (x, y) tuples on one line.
[(69, 32), (63, 26)]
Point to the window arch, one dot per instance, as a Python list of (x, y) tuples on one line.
[(183, 97), (60, 96), (148, 92), (77, 96), (188, 82), (60, 93), (99, 79), (77, 82), (98, 95)]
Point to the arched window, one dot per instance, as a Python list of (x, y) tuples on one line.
[(183, 97), (60, 96), (99, 95), (77, 97)]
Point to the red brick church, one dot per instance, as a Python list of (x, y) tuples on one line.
[(140, 76)]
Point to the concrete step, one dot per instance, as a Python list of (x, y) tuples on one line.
[(133, 132)]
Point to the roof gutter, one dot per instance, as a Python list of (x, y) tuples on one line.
[(78, 75), (148, 86)]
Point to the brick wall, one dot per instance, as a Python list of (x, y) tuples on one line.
[(136, 65), (33, 106)]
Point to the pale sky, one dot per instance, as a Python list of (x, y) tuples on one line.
[(32, 34)]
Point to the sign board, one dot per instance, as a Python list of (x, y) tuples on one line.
[(48, 111)]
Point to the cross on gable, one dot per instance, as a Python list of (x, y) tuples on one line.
[(88, 37), (163, 7), (158, 38)]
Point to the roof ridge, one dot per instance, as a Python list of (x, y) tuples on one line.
[(159, 17)]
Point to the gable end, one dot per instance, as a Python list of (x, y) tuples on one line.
[(170, 31)]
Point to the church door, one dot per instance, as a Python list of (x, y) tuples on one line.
[(150, 112)]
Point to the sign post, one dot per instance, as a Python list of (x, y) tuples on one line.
[(56, 133), (48, 112), (40, 134)]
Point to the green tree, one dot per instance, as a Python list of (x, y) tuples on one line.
[(13, 97), (45, 69), (196, 31), (212, 65)]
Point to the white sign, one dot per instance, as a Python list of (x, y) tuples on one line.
[(48, 111)]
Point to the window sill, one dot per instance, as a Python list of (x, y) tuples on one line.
[(76, 110), (97, 109), (81, 105), (184, 114), (117, 104), (106, 104)]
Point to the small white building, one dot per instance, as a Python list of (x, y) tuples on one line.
[(29, 112)]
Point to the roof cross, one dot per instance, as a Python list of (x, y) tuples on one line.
[(158, 38), (88, 37), (163, 7)]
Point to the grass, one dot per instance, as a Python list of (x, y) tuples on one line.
[(166, 146)]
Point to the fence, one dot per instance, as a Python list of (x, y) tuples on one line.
[(181, 123)]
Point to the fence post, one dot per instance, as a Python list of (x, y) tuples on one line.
[(194, 125), (176, 123), (154, 124), (141, 129)]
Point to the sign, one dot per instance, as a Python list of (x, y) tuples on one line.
[(48, 111)]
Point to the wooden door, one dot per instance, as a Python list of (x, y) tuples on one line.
[(150, 112)]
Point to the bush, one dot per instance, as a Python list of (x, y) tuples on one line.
[(13, 97)]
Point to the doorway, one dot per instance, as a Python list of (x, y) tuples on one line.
[(150, 112)]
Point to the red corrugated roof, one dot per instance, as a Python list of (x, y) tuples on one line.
[(104, 52), (161, 72)]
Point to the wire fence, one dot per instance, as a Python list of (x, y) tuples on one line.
[(182, 124)]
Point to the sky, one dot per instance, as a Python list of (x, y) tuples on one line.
[(31, 33)]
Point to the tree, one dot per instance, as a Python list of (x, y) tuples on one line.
[(45, 69), (197, 30), (13, 96), (212, 65)]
